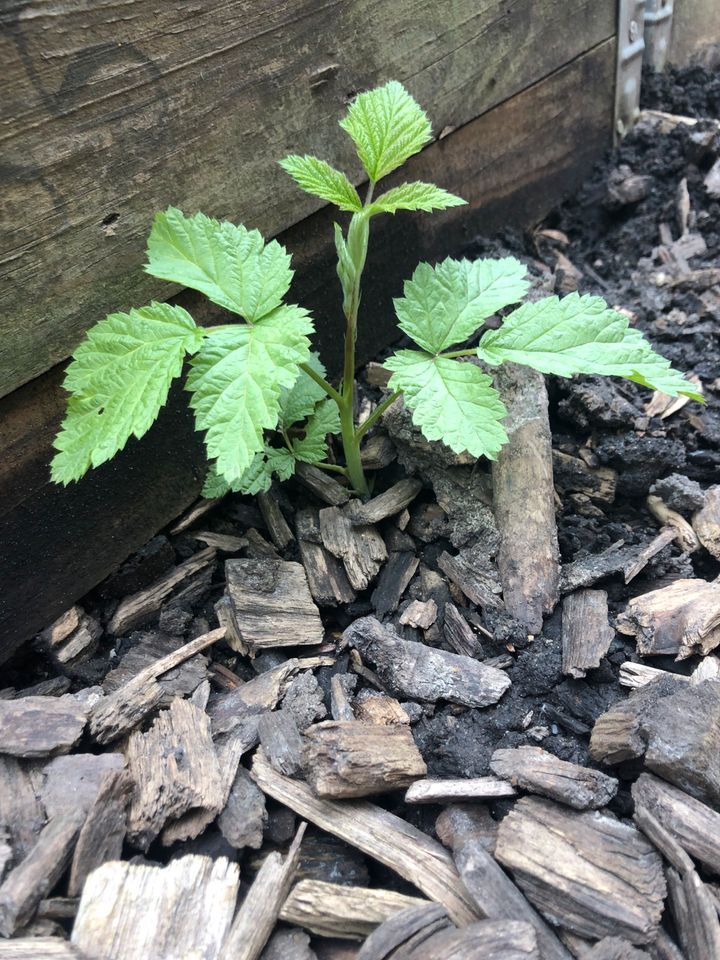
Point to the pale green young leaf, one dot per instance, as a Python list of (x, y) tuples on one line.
[(450, 401), (387, 126), (445, 304), (415, 196), (580, 335), (228, 263), (119, 378), (300, 400), (319, 178), (312, 447), (345, 267), (236, 381)]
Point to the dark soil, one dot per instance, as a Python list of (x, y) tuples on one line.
[(619, 252)]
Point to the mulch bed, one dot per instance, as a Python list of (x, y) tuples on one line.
[(436, 725)]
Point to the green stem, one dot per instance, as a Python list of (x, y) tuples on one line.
[(458, 353), (321, 381), (332, 467), (351, 449), (376, 414), (357, 248)]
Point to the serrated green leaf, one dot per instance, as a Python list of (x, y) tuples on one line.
[(387, 126), (119, 378), (312, 448), (300, 400), (272, 461), (450, 401), (214, 486), (236, 381), (581, 335), (228, 263), (415, 196), (445, 304), (319, 178)]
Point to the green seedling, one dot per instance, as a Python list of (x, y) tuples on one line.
[(258, 392)]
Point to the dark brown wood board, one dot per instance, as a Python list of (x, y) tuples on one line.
[(512, 164), (109, 116)]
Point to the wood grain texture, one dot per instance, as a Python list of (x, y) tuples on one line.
[(137, 911), (560, 857), (178, 104), (511, 164), (695, 33), (379, 834)]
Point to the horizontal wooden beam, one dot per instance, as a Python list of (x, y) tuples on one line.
[(512, 164), (111, 112)]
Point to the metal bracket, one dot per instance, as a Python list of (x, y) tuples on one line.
[(631, 46), (658, 26)]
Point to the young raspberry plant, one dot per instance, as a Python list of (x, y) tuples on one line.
[(261, 396)]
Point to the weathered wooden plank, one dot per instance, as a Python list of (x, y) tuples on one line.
[(695, 32), (181, 101), (533, 153)]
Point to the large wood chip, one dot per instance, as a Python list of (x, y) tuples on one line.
[(346, 912), (256, 918), (138, 609), (175, 768), (319, 482), (695, 826), (524, 499), (281, 741), (536, 770), (397, 935), (325, 574), (135, 912), (361, 548), (388, 503), (475, 576), (379, 834), (117, 714), (178, 682), (103, 832), (680, 619), (695, 914), (243, 819), (586, 631), (490, 939), (393, 581), (21, 812), (26, 885), (41, 726), (586, 872), (459, 634), (344, 759), (272, 603), (410, 669), (73, 782), (618, 734), (494, 893), (676, 726)]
